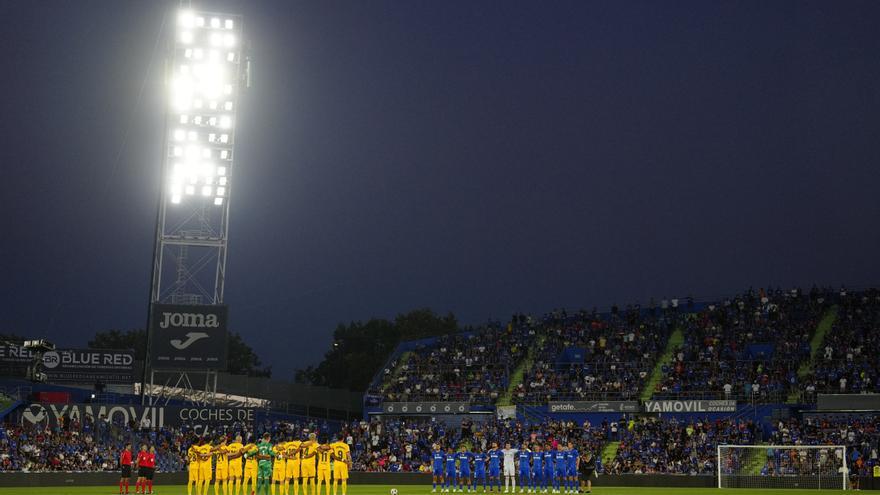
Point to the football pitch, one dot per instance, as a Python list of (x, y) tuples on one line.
[(415, 490)]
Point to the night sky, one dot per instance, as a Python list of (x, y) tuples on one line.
[(478, 157)]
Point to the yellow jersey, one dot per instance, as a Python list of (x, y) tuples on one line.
[(192, 456), (341, 451), (293, 450), (279, 450), (205, 452), (250, 462), (324, 457)]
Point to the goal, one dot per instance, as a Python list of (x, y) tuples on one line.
[(782, 466)]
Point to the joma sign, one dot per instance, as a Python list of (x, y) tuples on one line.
[(188, 337)]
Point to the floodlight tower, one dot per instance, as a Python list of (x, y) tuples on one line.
[(204, 75)]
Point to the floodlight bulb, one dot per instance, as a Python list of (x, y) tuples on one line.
[(198, 53), (178, 151), (215, 22), (185, 18), (200, 21), (221, 171), (230, 40), (230, 57), (218, 201), (179, 134), (188, 53), (223, 181), (206, 190), (213, 104), (221, 191), (206, 153), (186, 37), (224, 138), (190, 190), (228, 106), (225, 122), (228, 23), (192, 135), (184, 119), (216, 39), (224, 154), (175, 199)]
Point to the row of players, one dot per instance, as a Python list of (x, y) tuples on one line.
[(557, 468), (266, 465)]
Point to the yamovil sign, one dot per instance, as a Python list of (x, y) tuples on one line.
[(689, 406)]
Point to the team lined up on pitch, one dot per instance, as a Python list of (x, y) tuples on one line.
[(268, 468)]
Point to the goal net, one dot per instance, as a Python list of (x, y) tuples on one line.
[(782, 466)]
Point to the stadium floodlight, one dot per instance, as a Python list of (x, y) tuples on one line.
[(203, 92)]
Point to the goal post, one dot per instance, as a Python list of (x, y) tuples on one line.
[(782, 466)]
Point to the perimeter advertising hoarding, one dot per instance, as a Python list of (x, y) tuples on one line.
[(679, 406), (404, 408), (611, 406), (188, 337), (49, 415), (75, 365)]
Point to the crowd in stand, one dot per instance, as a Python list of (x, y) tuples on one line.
[(847, 361), (749, 347), (675, 447), (95, 444), (859, 433), (473, 366), (591, 356)]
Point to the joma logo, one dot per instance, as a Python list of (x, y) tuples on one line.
[(189, 320)]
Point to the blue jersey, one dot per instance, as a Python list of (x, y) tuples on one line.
[(524, 458), (537, 460), (560, 461), (494, 460), (572, 460), (464, 462), (438, 458), (450, 463), (480, 463), (548, 461)]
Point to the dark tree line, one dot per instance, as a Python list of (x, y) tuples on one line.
[(359, 348)]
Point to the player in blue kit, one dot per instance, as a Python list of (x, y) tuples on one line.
[(537, 468), (548, 468), (494, 467), (464, 469), (560, 464), (571, 468), (449, 476), (525, 468), (480, 469), (437, 457)]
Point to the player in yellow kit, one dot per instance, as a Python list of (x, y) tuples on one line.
[(250, 470), (235, 451), (308, 453), (292, 473), (278, 467), (221, 470), (205, 467), (193, 456), (341, 463), (324, 457)]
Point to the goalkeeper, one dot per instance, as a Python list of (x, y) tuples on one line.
[(264, 454), (587, 467)]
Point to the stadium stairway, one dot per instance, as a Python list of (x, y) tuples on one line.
[(676, 339), (806, 368), (7, 405), (609, 452), (404, 356), (517, 376)]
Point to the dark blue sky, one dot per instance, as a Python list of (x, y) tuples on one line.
[(475, 157)]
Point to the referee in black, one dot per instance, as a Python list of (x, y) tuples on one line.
[(587, 469)]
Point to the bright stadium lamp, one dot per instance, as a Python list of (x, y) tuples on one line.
[(203, 90)]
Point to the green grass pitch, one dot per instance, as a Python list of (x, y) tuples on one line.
[(416, 490)]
